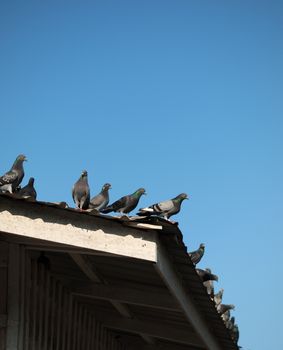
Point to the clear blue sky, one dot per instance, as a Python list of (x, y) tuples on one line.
[(175, 96)]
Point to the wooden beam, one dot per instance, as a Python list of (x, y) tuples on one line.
[(174, 284), (92, 274), (149, 297), (86, 267), (75, 229), (160, 330)]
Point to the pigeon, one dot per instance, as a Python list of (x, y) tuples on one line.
[(101, 200), (125, 204), (197, 254), (28, 190), (209, 285), (218, 297), (222, 308), (226, 316), (206, 275), (164, 209), (230, 323), (81, 192), (11, 180), (235, 333)]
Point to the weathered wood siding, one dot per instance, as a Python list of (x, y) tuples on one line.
[(47, 316)]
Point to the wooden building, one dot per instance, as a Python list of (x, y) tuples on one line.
[(74, 280)]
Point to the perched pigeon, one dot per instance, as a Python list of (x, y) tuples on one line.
[(11, 180), (222, 308), (206, 275), (209, 285), (164, 209), (226, 316), (197, 254), (81, 192), (101, 200), (28, 190), (235, 333), (230, 323), (125, 204), (218, 297)]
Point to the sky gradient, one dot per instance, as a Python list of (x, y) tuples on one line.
[(174, 96)]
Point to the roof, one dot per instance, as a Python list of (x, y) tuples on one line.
[(141, 284)]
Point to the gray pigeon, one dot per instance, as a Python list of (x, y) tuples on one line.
[(197, 254), (28, 190), (81, 192), (226, 316), (125, 204), (101, 200), (209, 285), (218, 297), (222, 308), (164, 209), (11, 180), (206, 275)]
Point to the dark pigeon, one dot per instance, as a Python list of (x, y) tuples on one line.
[(230, 323), (197, 254), (206, 275), (218, 297), (125, 204), (101, 200), (235, 333), (209, 285), (164, 209), (28, 190), (81, 192), (12, 179), (222, 308)]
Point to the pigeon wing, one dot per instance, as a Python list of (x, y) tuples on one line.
[(8, 178)]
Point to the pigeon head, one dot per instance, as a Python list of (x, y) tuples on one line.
[(84, 174), (181, 197), (21, 158), (202, 245), (106, 187), (140, 192)]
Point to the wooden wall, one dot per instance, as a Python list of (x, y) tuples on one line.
[(3, 292), (42, 314)]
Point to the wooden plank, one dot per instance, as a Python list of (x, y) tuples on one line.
[(13, 298), (59, 317), (27, 302), (69, 321), (53, 312), (4, 249), (75, 325), (22, 297), (46, 312)]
